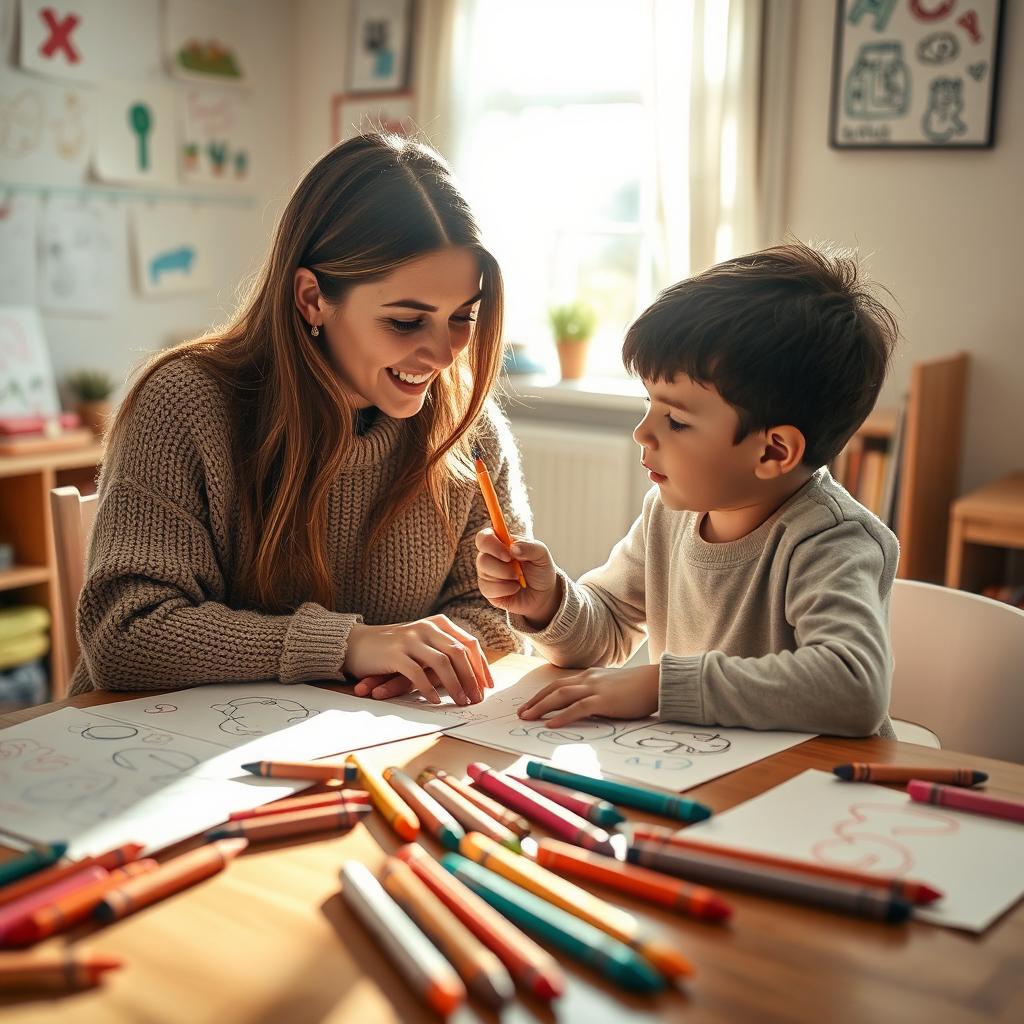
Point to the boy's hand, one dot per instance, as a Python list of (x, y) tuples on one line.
[(609, 692), (499, 583)]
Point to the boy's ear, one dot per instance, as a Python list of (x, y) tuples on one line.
[(307, 296), (782, 451)]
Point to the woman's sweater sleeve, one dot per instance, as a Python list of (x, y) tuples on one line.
[(153, 612)]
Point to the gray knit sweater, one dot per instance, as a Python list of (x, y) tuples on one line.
[(786, 628), (156, 609)]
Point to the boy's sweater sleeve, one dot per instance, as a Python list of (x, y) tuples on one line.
[(837, 681), (602, 618), (153, 611), (461, 599)]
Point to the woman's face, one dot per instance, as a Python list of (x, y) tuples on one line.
[(389, 339)]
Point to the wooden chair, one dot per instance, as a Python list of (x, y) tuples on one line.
[(958, 670), (73, 516)]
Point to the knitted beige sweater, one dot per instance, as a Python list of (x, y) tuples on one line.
[(156, 610)]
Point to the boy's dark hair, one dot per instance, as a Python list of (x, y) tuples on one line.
[(788, 335)]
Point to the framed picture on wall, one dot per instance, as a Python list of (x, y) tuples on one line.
[(390, 112), (915, 74), (378, 56)]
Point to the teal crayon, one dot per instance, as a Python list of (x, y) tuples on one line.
[(668, 805), (582, 941), (31, 862)]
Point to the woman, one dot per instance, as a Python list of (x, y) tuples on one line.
[(292, 497)]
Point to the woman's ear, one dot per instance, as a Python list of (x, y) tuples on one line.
[(783, 452), (308, 297)]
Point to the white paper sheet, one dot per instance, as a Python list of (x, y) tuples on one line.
[(136, 134), (169, 766), (977, 862), (172, 249), (18, 216), (669, 755), (27, 384), (215, 146)]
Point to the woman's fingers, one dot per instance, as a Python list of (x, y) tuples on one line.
[(472, 645), (446, 667), (419, 680), (392, 686)]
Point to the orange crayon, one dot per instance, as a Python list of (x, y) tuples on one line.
[(54, 970), (114, 858), (906, 889), (397, 813), (292, 823), (868, 772), (695, 900), (67, 911), (318, 771), (469, 816), (171, 877), (494, 511), (483, 973), (529, 964), (304, 803), (499, 812)]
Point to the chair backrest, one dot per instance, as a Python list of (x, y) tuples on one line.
[(73, 516), (959, 668)]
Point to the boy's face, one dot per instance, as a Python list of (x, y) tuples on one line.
[(686, 440)]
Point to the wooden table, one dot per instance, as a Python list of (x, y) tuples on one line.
[(982, 526), (269, 940)]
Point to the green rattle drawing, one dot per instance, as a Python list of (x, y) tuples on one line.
[(141, 122)]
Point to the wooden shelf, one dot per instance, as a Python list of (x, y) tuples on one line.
[(928, 461), (25, 522), (983, 525), (24, 576)]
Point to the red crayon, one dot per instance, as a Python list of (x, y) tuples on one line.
[(334, 798), (15, 912), (966, 800), (555, 818)]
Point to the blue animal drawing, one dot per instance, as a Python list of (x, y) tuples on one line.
[(180, 259)]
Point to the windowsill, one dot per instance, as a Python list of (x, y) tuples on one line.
[(592, 392)]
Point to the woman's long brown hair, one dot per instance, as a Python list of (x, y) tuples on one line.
[(368, 206)]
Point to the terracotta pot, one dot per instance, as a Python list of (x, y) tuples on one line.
[(95, 415), (572, 358)]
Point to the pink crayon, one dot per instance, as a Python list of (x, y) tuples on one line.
[(17, 910), (966, 800), (561, 823)]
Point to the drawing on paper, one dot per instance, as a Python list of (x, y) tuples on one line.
[(579, 732), (107, 732), (178, 260), (868, 839), (158, 765), (257, 716), (161, 709), (69, 789), (671, 739)]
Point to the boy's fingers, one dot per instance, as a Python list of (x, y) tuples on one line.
[(488, 544), (495, 568), (560, 698), (540, 695), (574, 712), (529, 551)]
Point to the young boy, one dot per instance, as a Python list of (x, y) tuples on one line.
[(763, 586)]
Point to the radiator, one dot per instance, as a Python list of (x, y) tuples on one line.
[(586, 487)]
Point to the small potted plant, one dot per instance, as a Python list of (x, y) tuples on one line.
[(573, 324), (92, 390)]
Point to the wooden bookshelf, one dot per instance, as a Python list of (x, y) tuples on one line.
[(25, 523), (928, 433)]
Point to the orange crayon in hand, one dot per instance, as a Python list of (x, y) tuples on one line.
[(494, 510)]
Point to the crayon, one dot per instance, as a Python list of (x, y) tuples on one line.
[(431, 976), (482, 972), (54, 969), (17, 911), (501, 814), (292, 823), (594, 809), (494, 510), (35, 860), (576, 901), (866, 772), (397, 813), (966, 800), (172, 876), (531, 966), (470, 816), (318, 771), (669, 805), (67, 911), (115, 858), (556, 819), (695, 900), (863, 900), (437, 820), (899, 888), (304, 803), (609, 957)]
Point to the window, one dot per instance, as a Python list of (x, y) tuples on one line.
[(556, 153)]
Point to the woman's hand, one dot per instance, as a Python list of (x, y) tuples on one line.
[(499, 581), (609, 692), (425, 655)]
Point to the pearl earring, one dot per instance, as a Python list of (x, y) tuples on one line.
[(315, 331)]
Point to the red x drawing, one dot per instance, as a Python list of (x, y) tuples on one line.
[(60, 35)]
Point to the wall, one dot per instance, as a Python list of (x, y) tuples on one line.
[(944, 230), (119, 342)]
